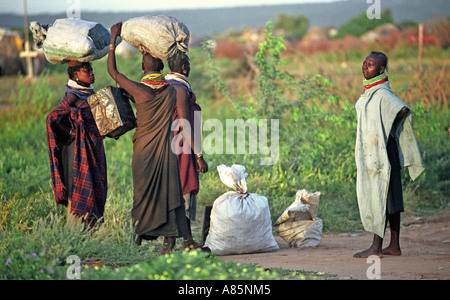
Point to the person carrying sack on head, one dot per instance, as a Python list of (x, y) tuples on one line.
[(76, 151), (158, 205)]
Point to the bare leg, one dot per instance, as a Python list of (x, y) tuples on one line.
[(375, 248), (394, 245), (168, 244), (189, 240), (138, 240)]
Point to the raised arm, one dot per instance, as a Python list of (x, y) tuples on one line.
[(130, 86)]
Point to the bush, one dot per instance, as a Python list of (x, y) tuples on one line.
[(360, 24), (192, 265), (316, 141), (316, 134), (293, 27)]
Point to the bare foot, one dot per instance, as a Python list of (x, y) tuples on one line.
[(190, 244), (367, 253), (392, 250), (139, 240), (168, 245)]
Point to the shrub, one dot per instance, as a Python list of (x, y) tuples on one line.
[(360, 24), (186, 266), (293, 27)]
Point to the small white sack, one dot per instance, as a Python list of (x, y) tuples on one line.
[(72, 40), (162, 36), (298, 224), (240, 221)]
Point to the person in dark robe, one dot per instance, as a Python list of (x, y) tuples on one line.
[(76, 151), (188, 142), (158, 205)]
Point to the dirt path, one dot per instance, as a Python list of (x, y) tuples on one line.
[(425, 244)]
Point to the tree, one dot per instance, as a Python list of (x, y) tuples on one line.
[(293, 27), (360, 24), (308, 112)]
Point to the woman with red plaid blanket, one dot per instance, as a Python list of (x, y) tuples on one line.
[(76, 151), (158, 205)]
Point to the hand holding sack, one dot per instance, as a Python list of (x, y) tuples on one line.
[(240, 221), (72, 40), (161, 36)]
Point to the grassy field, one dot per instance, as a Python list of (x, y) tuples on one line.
[(317, 131)]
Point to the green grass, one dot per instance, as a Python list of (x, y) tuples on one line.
[(35, 240)]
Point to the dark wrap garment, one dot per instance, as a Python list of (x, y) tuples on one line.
[(89, 181), (158, 207)]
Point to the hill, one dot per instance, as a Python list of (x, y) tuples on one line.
[(203, 22)]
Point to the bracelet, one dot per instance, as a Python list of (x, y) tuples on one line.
[(198, 155), (112, 47)]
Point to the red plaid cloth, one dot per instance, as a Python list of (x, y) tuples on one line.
[(89, 163), (186, 162)]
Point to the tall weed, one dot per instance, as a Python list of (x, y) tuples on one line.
[(316, 132)]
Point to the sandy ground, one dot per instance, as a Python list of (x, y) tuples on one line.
[(425, 244)]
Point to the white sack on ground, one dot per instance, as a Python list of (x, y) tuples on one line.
[(72, 40), (298, 225), (161, 36), (240, 221)]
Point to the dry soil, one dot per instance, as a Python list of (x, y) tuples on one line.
[(425, 244)]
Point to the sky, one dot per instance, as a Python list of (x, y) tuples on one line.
[(58, 6)]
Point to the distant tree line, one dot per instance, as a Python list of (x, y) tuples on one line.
[(295, 27)]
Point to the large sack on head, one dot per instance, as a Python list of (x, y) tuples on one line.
[(161, 36), (71, 40), (240, 221)]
